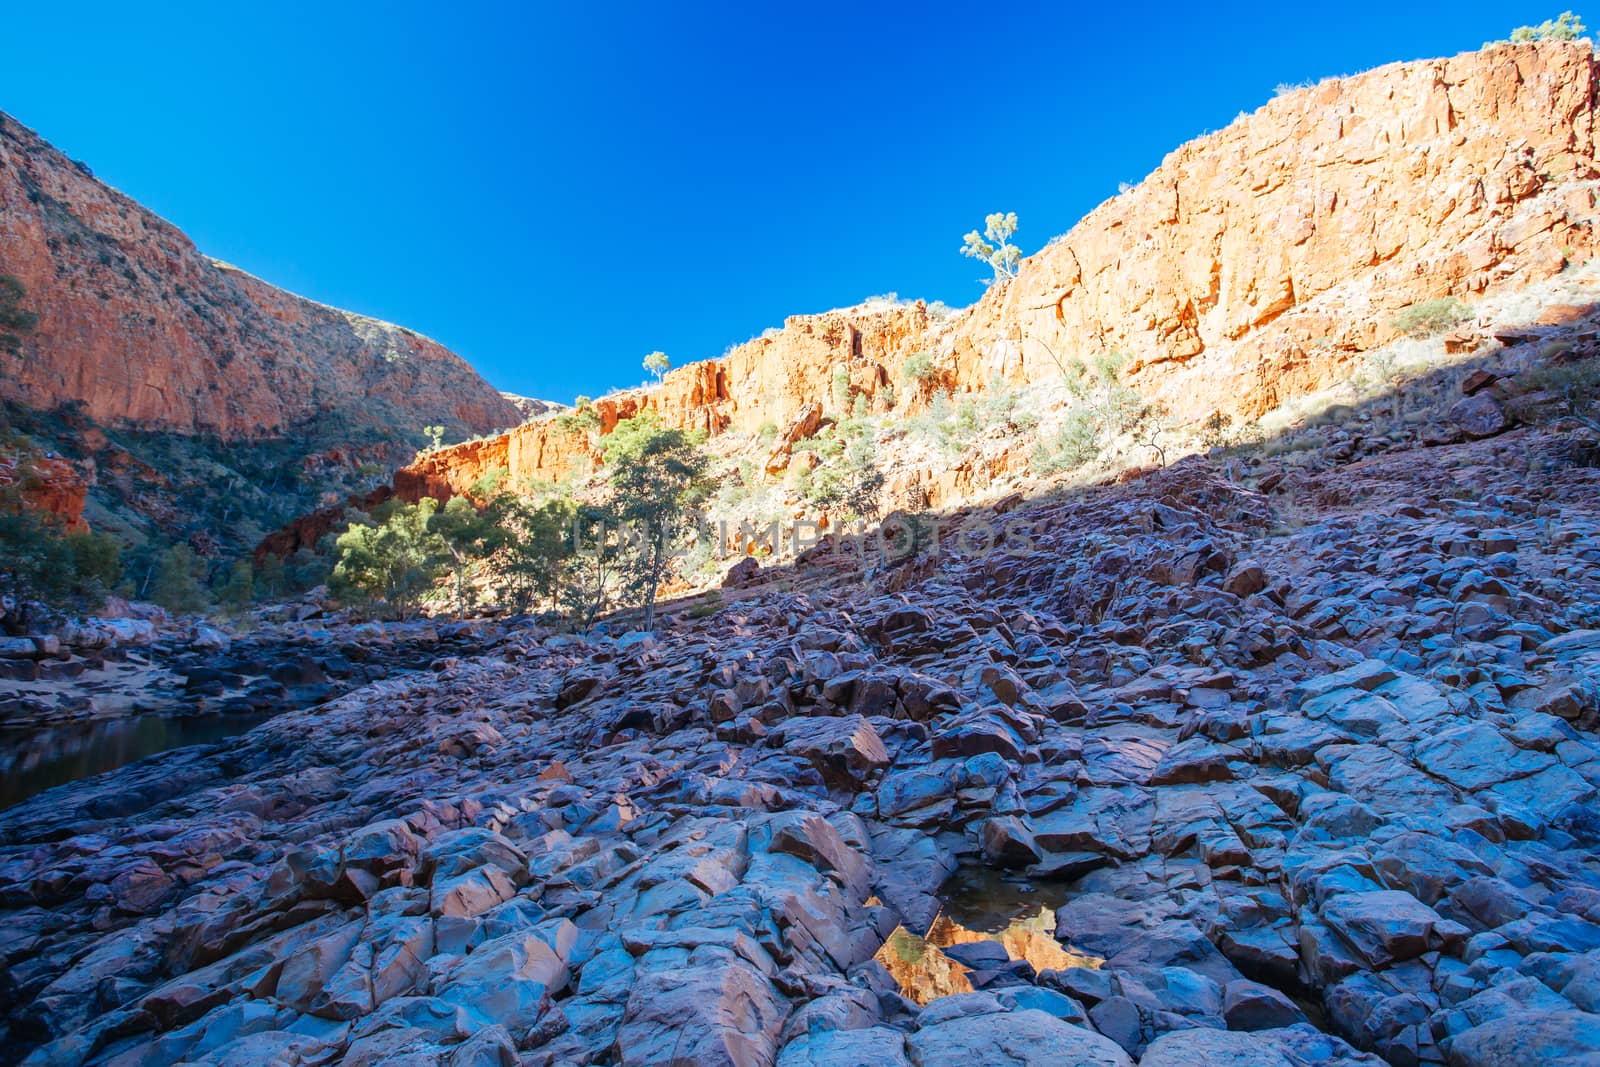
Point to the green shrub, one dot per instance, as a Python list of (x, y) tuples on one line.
[(14, 321), (179, 586), (41, 563), (581, 419), (1077, 442), (238, 592), (1431, 317), (841, 389), (918, 368), (391, 561), (1565, 27), (1577, 383), (709, 606)]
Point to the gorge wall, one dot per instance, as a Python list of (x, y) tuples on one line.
[(141, 329), (1255, 264)]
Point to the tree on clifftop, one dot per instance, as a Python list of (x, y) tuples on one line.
[(658, 364), (997, 251)]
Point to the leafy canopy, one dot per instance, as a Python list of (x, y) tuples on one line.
[(656, 474), (392, 561)]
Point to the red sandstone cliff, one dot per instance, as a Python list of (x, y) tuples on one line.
[(1257, 261), (142, 329), (1254, 265)]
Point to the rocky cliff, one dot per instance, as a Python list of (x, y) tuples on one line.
[(772, 378), (1255, 265), (1257, 261), (142, 329)]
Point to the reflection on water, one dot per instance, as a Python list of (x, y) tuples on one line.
[(979, 905), (32, 761)]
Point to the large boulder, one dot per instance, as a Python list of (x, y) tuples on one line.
[(845, 751), (725, 1014), (1479, 415), (1202, 1047), (1526, 1038), (1028, 1038)]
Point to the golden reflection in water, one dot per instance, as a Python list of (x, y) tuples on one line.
[(925, 973)]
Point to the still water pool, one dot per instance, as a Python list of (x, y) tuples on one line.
[(34, 760), (979, 904)]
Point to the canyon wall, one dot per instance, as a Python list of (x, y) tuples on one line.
[(142, 330), (1255, 264)]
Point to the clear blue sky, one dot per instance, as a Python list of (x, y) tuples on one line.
[(554, 190)]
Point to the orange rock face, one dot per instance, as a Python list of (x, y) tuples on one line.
[(1253, 266), (142, 329), (1258, 260)]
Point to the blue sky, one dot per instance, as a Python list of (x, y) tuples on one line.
[(555, 190)]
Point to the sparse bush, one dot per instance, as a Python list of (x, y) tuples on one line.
[(14, 321), (967, 421), (1431, 317), (841, 389), (847, 479), (178, 584), (1380, 367), (1577, 383), (1118, 407), (582, 419), (1077, 442), (40, 562), (918, 368), (1565, 27)]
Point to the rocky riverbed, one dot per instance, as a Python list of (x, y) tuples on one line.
[(1310, 775)]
